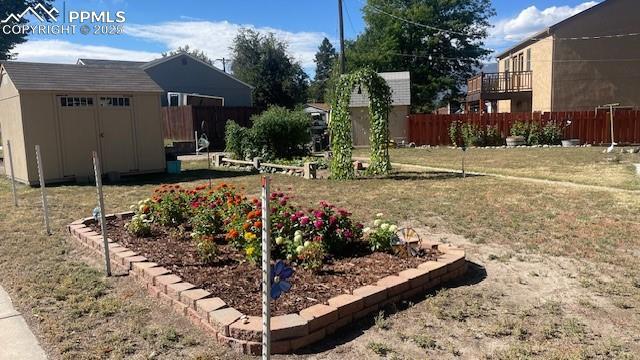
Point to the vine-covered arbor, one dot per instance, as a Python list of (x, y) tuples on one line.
[(341, 126)]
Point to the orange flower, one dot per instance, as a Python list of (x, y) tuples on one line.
[(246, 226), (258, 224)]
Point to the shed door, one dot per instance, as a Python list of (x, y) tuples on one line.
[(78, 132), (116, 134)]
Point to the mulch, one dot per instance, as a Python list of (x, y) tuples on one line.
[(238, 282)]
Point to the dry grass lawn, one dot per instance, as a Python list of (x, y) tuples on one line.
[(555, 272), (579, 165)]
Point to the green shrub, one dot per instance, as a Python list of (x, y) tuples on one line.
[(551, 133), (235, 137), (276, 133), (282, 133), (529, 130), (474, 135)]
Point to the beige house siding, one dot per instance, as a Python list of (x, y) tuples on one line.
[(361, 124), (11, 129), (542, 74), (579, 82), (541, 77)]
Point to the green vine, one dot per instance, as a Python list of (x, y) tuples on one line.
[(340, 126)]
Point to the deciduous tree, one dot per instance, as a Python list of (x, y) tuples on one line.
[(439, 41), (263, 61)]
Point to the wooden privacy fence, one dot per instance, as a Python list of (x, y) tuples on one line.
[(180, 122), (590, 127)]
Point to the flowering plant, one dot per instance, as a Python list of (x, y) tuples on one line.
[(383, 235), (140, 224)]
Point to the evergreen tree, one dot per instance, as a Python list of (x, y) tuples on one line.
[(8, 7), (325, 60)]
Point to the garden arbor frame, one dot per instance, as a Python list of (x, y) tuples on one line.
[(341, 125)]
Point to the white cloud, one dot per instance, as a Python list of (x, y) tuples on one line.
[(530, 21), (215, 37), (60, 51)]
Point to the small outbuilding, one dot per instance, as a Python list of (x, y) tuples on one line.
[(71, 111), (400, 85)]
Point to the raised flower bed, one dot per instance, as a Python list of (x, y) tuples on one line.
[(198, 249)]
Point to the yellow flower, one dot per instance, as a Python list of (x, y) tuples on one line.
[(249, 236), (250, 251)]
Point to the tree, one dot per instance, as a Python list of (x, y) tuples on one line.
[(439, 41), (8, 7), (263, 61), (198, 54), (325, 60)]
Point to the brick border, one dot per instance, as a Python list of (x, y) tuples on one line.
[(289, 332)]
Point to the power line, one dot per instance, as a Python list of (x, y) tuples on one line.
[(594, 37), (346, 8), (378, 10)]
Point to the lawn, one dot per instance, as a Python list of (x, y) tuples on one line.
[(555, 271), (579, 165)]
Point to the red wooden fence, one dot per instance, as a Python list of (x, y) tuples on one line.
[(180, 123), (589, 126)]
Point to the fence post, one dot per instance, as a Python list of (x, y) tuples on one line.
[(13, 175), (103, 217), (45, 207), (266, 269)]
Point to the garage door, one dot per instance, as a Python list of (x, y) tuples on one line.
[(78, 132), (116, 134)]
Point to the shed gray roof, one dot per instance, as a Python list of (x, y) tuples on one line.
[(400, 84), (116, 63), (65, 77)]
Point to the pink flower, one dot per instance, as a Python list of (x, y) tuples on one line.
[(304, 220), (283, 202), (294, 217), (318, 224), (279, 226), (333, 220)]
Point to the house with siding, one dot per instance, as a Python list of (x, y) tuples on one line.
[(187, 80), (400, 85), (585, 61)]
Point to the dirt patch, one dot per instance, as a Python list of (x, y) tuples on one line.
[(238, 282)]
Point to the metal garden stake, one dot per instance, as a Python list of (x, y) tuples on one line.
[(13, 175), (45, 207), (266, 270), (103, 218)]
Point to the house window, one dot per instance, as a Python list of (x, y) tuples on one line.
[(121, 101), (174, 99), (76, 101), (528, 59), (506, 65)]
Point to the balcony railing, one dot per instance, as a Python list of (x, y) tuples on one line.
[(502, 82)]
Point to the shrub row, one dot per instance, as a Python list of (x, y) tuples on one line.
[(468, 134)]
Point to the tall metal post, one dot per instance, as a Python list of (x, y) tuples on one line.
[(343, 61), (103, 217), (13, 175), (45, 207), (266, 270)]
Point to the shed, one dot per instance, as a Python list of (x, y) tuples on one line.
[(400, 85), (71, 111)]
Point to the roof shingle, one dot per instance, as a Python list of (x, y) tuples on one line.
[(65, 77), (400, 84)]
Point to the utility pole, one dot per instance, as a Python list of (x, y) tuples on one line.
[(343, 61), (224, 64)]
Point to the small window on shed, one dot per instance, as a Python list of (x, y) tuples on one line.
[(528, 59), (82, 101), (120, 101)]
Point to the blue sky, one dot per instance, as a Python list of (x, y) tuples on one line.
[(156, 26)]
